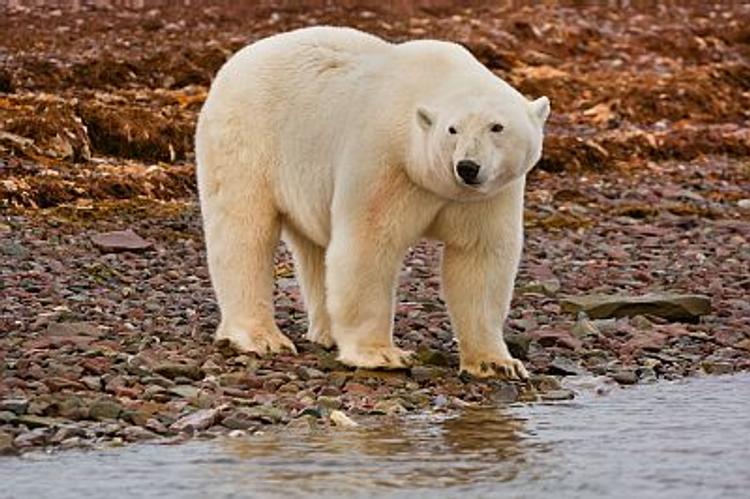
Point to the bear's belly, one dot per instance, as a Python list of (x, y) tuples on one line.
[(305, 210)]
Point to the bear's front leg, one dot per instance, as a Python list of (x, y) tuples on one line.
[(374, 222), (478, 287)]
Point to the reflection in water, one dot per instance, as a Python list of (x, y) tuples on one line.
[(476, 446), (686, 439)]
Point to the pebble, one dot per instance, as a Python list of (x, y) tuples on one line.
[(15, 405), (6, 445), (199, 420), (104, 409), (566, 367), (557, 395), (625, 377)]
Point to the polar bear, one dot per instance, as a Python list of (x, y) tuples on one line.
[(352, 149)]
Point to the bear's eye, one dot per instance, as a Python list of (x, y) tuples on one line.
[(452, 130), (496, 128)]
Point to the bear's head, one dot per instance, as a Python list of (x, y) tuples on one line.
[(470, 146)]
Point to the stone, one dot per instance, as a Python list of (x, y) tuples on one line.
[(104, 409), (121, 240), (584, 328), (31, 438), (422, 374), (547, 287), (307, 373), (518, 345), (666, 305), (15, 405), (717, 367), (625, 377), (136, 433), (565, 367), (185, 391), (199, 420), (156, 426), (503, 392), (8, 417), (432, 357), (33, 422), (558, 395), (544, 383), (266, 414), (646, 374), (338, 418), (6, 445), (743, 344), (72, 408), (329, 402), (175, 370), (73, 329), (389, 407)]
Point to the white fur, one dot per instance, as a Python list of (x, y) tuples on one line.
[(339, 141)]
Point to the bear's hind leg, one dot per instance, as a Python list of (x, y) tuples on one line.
[(310, 261), (241, 241)]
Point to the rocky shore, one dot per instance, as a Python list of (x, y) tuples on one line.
[(637, 257)]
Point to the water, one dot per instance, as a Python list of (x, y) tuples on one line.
[(684, 439)]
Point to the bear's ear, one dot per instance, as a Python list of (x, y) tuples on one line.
[(540, 108), (425, 118)]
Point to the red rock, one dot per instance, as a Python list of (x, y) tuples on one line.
[(121, 240), (649, 341), (554, 337)]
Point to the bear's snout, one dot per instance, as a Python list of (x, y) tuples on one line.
[(468, 170)]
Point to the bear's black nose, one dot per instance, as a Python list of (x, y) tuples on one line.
[(468, 171)]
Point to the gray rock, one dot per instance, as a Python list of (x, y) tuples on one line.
[(432, 357), (666, 305), (32, 422), (31, 438), (8, 417), (174, 370), (558, 395), (156, 426), (421, 374), (121, 240), (307, 373), (389, 407), (503, 392), (547, 287), (104, 409), (566, 367), (329, 402), (646, 374), (544, 383), (15, 405), (73, 329), (6, 445), (136, 433), (518, 345), (625, 377), (717, 367), (199, 420), (185, 391), (266, 414), (584, 328)]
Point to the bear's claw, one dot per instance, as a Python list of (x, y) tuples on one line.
[(504, 368), (259, 341), (378, 358)]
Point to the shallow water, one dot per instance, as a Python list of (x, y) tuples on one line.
[(683, 439)]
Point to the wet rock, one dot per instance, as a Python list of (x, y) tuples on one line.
[(239, 420), (625, 377), (743, 344), (432, 357), (174, 370), (338, 418), (667, 306), (558, 395), (646, 375), (311, 411), (389, 407), (329, 402), (156, 426), (266, 414), (565, 367), (16, 405), (121, 240), (8, 417), (504, 393), (199, 420), (422, 374), (544, 383), (6, 445), (104, 409), (717, 367), (518, 345), (136, 433), (73, 408), (31, 438), (33, 422), (65, 433)]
